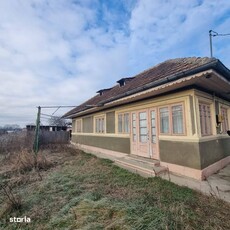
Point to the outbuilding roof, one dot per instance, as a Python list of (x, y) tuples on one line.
[(167, 71)]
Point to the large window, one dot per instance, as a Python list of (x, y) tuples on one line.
[(224, 113), (172, 120), (177, 119), (123, 123), (100, 124), (205, 119), (164, 120)]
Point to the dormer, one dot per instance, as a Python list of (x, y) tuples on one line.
[(102, 91), (123, 81)]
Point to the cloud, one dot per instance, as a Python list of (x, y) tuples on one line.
[(53, 53), (60, 52), (169, 29)]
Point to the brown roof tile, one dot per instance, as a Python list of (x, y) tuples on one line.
[(180, 67)]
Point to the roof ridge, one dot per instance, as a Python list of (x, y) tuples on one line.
[(158, 74)]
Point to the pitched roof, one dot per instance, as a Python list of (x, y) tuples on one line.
[(170, 69)]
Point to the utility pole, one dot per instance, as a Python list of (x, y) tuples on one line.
[(214, 34), (210, 42), (36, 141)]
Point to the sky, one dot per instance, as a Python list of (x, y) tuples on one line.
[(61, 52)]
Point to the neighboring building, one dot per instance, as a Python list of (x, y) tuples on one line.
[(177, 112), (47, 128)]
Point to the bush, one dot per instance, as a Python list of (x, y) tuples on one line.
[(14, 142)]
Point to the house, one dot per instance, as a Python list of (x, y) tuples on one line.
[(176, 112)]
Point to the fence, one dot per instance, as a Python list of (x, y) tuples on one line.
[(54, 137), (16, 141)]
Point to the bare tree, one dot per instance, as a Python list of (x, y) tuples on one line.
[(57, 121)]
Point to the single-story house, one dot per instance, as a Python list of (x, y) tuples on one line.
[(177, 112)]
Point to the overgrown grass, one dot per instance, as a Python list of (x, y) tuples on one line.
[(81, 191)]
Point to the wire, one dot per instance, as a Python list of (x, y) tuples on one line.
[(47, 115), (217, 34), (56, 110), (58, 106)]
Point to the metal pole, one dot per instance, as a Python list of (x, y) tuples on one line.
[(210, 40), (36, 141)]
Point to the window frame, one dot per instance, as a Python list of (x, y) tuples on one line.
[(99, 124), (169, 126), (121, 127), (224, 126), (78, 128), (170, 129), (207, 123)]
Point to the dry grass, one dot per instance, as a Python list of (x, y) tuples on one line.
[(15, 142), (79, 191)]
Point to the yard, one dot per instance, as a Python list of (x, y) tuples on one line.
[(74, 190)]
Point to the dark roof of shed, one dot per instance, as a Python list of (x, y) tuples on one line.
[(179, 67)]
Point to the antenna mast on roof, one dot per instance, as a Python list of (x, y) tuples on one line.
[(214, 34)]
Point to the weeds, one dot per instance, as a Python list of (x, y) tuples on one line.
[(16, 142), (13, 202), (80, 191)]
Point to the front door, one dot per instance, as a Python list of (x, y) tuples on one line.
[(144, 133)]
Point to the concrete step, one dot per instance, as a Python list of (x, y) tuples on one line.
[(143, 169), (142, 160)]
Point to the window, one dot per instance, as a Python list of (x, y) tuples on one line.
[(164, 120), (120, 123), (177, 119), (123, 123), (205, 119), (78, 126), (134, 127), (73, 126), (143, 127), (172, 120), (100, 125), (153, 127), (224, 113)]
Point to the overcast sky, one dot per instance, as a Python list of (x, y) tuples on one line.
[(60, 52)]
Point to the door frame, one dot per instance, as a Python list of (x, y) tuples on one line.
[(135, 145)]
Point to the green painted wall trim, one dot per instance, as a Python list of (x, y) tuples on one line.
[(110, 122), (180, 153), (118, 144), (197, 155), (192, 112), (87, 124), (213, 151)]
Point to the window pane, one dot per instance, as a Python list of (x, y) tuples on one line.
[(177, 118), (134, 126), (143, 138), (99, 125), (142, 115), (153, 126), (102, 125), (78, 123), (126, 123), (143, 126), (143, 123), (164, 120), (205, 119), (224, 114), (96, 126), (120, 123)]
